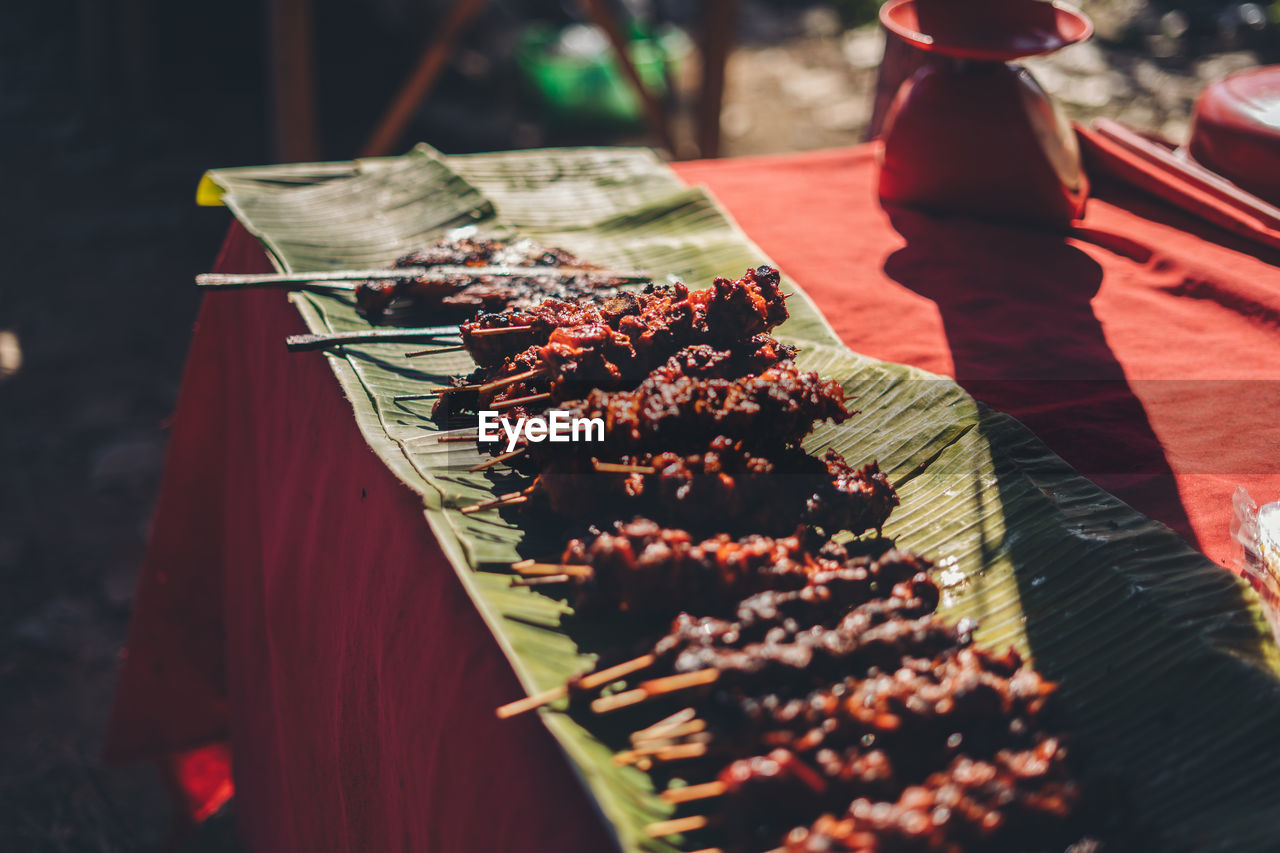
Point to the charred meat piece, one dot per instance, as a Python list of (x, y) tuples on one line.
[(658, 321), (641, 566), (1015, 802), (382, 300), (726, 486), (774, 408)]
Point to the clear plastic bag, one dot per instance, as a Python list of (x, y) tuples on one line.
[(1257, 531)]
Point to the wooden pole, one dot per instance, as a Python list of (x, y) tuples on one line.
[(435, 56), (720, 18), (292, 81), (654, 112)]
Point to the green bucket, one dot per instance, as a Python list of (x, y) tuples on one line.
[(593, 88)]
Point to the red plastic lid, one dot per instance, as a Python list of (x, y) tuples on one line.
[(1236, 130), (988, 30)]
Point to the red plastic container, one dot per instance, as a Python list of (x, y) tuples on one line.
[(1235, 130), (986, 30), (969, 133)]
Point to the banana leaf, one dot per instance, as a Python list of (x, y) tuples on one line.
[(1167, 669)]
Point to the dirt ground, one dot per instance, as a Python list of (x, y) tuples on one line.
[(101, 240)]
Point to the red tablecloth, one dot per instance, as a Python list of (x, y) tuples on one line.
[(294, 605)]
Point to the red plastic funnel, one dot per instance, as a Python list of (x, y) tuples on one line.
[(987, 30)]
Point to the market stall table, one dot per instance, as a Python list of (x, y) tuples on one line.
[(295, 606)]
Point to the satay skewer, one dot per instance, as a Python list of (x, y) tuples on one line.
[(509, 499), (476, 333), (621, 468), (590, 681), (433, 393), (498, 384), (496, 460), (655, 687), (531, 568), (540, 581), (434, 351), (502, 405), (661, 752), (444, 437), (679, 718), (692, 727), (443, 274), (306, 343), (499, 330)]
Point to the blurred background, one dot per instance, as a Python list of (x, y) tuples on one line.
[(111, 111)]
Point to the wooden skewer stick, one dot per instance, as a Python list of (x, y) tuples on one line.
[(509, 499), (545, 573), (677, 826), (304, 281), (540, 581), (434, 392), (679, 718), (613, 673), (497, 460), (434, 351), (498, 330), (661, 752), (513, 379), (630, 756), (304, 343), (468, 437), (621, 468), (528, 703), (443, 274), (577, 571), (681, 751), (515, 500), (666, 684), (520, 401), (655, 687), (689, 793), (633, 756), (605, 704), (590, 681), (692, 727)]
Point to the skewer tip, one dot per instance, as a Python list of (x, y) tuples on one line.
[(529, 703), (433, 351), (677, 826), (626, 698), (511, 499), (496, 460), (542, 580), (498, 330), (502, 405), (690, 793)]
